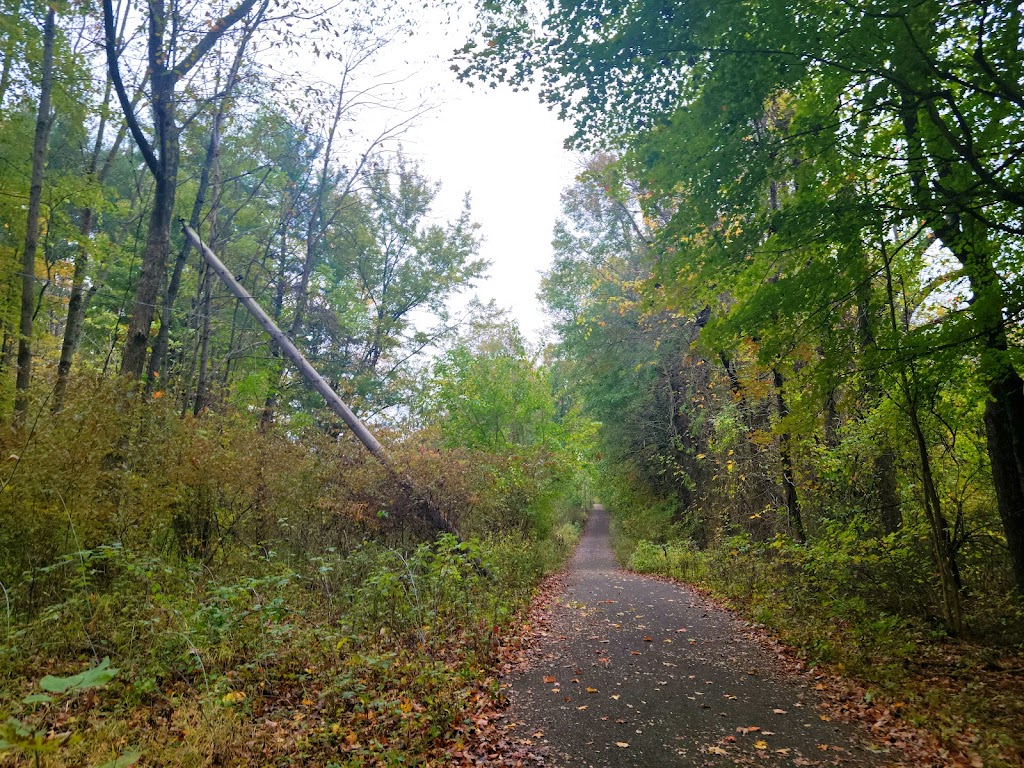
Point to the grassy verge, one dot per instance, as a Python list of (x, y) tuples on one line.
[(846, 606), (266, 598), (374, 657)]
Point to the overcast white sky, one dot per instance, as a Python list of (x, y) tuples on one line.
[(504, 147)]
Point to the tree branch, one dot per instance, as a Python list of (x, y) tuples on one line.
[(222, 25), (110, 44)]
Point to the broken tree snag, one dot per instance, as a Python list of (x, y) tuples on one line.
[(425, 508)]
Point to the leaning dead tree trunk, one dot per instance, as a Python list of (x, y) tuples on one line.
[(425, 508)]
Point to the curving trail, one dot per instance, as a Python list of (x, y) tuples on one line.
[(639, 672)]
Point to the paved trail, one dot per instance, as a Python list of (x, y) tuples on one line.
[(639, 662)]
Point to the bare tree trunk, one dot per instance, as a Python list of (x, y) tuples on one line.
[(785, 452), (162, 154), (79, 299), (942, 546), (884, 493), (270, 402), (44, 120), (158, 237), (425, 508), (206, 306), (158, 358)]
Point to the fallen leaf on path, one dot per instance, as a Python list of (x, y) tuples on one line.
[(621, 743), (648, 640), (761, 744), (591, 690), (748, 729), (550, 679), (716, 751), (780, 712), (615, 696)]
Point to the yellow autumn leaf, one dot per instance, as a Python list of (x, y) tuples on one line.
[(761, 744)]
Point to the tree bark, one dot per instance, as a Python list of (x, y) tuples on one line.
[(161, 156), (44, 120), (273, 393), (785, 453), (79, 299), (884, 494), (158, 358), (158, 237), (206, 305)]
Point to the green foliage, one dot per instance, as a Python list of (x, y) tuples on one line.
[(787, 183), (225, 583), (31, 735), (493, 402), (97, 676)]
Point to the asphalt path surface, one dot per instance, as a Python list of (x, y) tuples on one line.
[(636, 671)]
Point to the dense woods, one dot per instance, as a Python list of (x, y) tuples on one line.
[(786, 305), (182, 517), (787, 285)]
